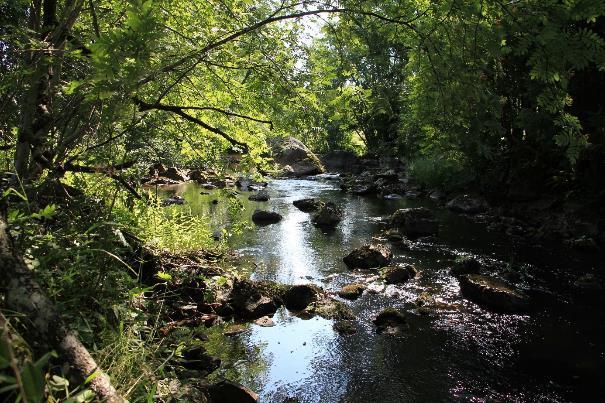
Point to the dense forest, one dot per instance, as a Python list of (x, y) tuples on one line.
[(138, 136)]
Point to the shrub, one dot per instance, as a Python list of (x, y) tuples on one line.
[(440, 172)]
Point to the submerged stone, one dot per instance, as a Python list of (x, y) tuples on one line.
[(234, 330), (196, 358), (261, 196), (391, 321)]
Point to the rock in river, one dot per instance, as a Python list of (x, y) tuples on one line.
[(266, 217), (261, 196), (466, 265), (261, 306), (391, 321), (492, 293), (415, 222), (295, 155), (307, 205), (467, 204), (171, 201), (265, 321), (368, 257), (328, 215), (298, 297), (399, 274), (351, 291)]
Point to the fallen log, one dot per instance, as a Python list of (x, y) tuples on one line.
[(45, 329)]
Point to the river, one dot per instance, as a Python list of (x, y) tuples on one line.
[(459, 352)]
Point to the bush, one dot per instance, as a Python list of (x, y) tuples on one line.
[(440, 172)]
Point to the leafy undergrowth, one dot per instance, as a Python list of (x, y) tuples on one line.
[(129, 282)]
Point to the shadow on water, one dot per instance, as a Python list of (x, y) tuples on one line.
[(457, 352)]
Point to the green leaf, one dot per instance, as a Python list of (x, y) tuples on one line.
[(8, 388), (4, 354), (92, 376), (7, 379), (86, 395), (163, 276), (33, 383), (41, 363)]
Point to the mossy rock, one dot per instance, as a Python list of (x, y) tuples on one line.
[(351, 291), (329, 308)]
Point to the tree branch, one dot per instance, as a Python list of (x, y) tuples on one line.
[(198, 54), (224, 112), (144, 106)]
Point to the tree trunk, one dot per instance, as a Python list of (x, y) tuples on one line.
[(45, 328)]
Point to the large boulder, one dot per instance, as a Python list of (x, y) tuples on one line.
[(492, 293), (340, 161), (328, 215), (467, 204), (415, 222), (176, 174), (158, 173), (262, 217), (368, 257), (295, 155)]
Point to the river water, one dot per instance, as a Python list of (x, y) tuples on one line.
[(458, 352)]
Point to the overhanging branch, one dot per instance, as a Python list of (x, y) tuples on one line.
[(197, 55), (178, 110)]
